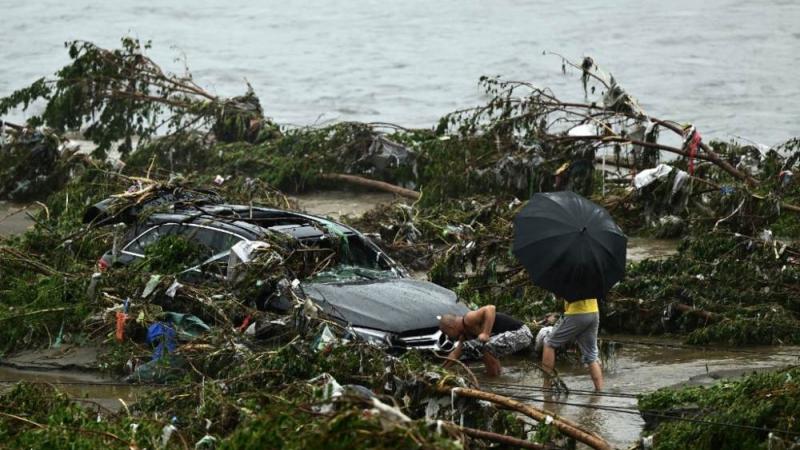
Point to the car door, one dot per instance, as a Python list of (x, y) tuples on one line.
[(219, 241)]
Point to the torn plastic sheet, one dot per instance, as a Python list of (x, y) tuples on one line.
[(173, 289), (648, 176), (384, 154), (329, 390), (326, 338), (242, 253), (151, 285)]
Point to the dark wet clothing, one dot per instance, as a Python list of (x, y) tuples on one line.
[(504, 322)]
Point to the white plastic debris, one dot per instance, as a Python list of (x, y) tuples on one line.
[(648, 176), (242, 253), (680, 181), (324, 339), (166, 433), (206, 441), (173, 289), (218, 180), (587, 129)]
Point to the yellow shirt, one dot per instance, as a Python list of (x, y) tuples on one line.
[(581, 307)]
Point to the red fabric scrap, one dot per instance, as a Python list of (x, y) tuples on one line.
[(694, 143), (120, 328), (245, 323)]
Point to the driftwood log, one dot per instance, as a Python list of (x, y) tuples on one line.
[(565, 426), (374, 184)]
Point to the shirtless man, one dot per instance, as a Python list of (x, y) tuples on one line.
[(485, 334)]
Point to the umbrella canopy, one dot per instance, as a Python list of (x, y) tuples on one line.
[(569, 245)]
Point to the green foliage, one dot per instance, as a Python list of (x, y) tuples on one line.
[(121, 95), (349, 429), (173, 254), (767, 400), (41, 309), (750, 285)]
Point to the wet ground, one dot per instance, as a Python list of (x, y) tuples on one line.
[(85, 387), (335, 204), (13, 219), (633, 369), (637, 365)]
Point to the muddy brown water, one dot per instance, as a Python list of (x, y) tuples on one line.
[(93, 390), (631, 369)]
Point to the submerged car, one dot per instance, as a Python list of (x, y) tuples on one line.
[(367, 291)]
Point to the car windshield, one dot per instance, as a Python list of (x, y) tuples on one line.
[(347, 273)]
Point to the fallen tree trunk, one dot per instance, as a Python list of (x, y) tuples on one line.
[(374, 184), (565, 426), (703, 314)]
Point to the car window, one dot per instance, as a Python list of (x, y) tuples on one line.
[(150, 236), (217, 240)]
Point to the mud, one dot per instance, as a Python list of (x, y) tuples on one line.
[(13, 219), (641, 248), (335, 204)]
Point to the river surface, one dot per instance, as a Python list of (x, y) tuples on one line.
[(729, 66)]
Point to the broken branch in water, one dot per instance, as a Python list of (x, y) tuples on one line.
[(565, 426)]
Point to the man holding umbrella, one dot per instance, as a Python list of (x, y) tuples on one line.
[(571, 247)]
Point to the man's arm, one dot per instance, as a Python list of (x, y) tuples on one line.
[(492, 364), (455, 355), (488, 314)]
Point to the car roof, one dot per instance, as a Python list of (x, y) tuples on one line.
[(252, 222)]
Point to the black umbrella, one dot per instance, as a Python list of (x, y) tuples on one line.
[(569, 245)]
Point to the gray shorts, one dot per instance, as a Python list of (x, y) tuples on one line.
[(501, 344), (582, 328)]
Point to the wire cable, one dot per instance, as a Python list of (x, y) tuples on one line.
[(636, 411)]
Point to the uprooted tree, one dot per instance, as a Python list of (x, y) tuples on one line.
[(120, 95)]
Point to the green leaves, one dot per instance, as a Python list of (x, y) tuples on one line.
[(122, 95)]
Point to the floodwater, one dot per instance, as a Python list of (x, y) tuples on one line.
[(633, 369), (726, 65), (92, 390)]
